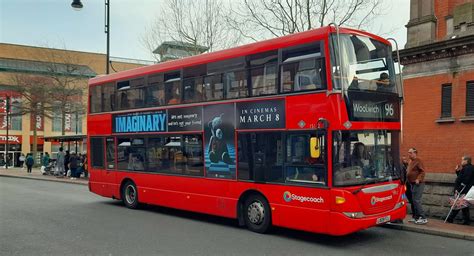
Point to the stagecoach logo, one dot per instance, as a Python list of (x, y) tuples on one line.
[(375, 200), (288, 197)]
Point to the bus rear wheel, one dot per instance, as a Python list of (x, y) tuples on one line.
[(257, 215), (130, 195)]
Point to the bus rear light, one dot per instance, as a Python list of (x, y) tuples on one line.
[(340, 200), (354, 215)]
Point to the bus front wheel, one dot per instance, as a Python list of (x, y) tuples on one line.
[(130, 195), (257, 215)]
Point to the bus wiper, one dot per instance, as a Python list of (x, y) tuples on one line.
[(363, 185)]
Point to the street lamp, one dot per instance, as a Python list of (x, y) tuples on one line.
[(77, 5), (7, 108)]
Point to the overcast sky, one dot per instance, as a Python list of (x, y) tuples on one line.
[(53, 23)]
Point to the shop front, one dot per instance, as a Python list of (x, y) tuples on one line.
[(14, 150)]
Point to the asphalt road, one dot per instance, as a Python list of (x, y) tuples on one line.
[(50, 218)]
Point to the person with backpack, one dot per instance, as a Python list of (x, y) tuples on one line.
[(29, 161)]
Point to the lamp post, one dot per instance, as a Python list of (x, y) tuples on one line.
[(77, 5), (7, 108)]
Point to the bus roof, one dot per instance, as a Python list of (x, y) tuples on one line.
[(266, 45)]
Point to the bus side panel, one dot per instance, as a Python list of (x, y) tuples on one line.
[(187, 193), (303, 208), (95, 182), (307, 209), (98, 125)]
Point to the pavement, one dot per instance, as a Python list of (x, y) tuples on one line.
[(433, 227), (36, 175)]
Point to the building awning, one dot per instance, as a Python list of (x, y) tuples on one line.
[(65, 138), (46, 68)]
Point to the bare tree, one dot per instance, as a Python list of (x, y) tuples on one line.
[(194, 22), (34, 92), (63, 81), (257, 20)]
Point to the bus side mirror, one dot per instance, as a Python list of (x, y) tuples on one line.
[(314, 147)]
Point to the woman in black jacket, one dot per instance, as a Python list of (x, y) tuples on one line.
[(463, 184)]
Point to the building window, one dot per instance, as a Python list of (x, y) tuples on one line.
[(446, 98), (57, 120), (470, 98), (76, 123), (449, 25), (15, 114)]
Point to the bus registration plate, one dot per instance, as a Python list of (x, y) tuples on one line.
[(383, 220)]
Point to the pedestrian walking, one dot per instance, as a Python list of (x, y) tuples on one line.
[(416, 177), (30, 161), (463, 183), (60, 163), (405, 181), (84, 165), (66, 162), (73, 164), (21, 160)]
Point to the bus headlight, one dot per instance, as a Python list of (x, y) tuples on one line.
[(354, 215), (399, 204)]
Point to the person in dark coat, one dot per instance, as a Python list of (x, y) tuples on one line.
[(463, 183), (66, 162), (29, 161), (73, 164)]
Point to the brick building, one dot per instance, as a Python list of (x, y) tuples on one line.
[(438, 59), (36, 61), (438, 111)]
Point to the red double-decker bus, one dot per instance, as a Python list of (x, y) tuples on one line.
[(300, 131)]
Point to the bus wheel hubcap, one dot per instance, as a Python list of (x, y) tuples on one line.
[(256, 212), (130, 194)]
